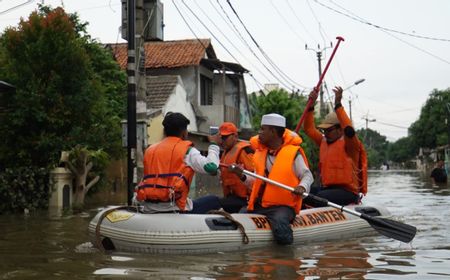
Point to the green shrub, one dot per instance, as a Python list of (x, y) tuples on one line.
[(23, 188)]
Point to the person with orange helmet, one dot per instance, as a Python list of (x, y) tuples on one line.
[(235, 189)]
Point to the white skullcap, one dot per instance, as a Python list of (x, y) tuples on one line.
[(273, 119)]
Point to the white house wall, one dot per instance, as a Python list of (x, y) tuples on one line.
[(244, 108), (188, 75), (177, 103)]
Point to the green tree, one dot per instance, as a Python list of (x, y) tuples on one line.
[(280, 102), (376, 146), (69, 91), (291, 106), (402, 150), (431, 129)]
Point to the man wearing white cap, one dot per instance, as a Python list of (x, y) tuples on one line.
[(342, 158), (279, 157)]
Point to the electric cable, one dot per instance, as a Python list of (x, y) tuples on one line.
[(271, 62), (250, 48), (361, 20)]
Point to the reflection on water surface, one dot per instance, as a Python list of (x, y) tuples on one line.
[(37, 246)]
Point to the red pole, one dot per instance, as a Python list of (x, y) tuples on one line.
[(310, 101)]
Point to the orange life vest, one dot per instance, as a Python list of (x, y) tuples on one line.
[(166, 176), (337, 168), (362, 169), (231, 183), (282, 171)]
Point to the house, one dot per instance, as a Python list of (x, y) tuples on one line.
[(166, 93), (214, 89)]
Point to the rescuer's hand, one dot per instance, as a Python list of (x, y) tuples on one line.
[(299, 190)]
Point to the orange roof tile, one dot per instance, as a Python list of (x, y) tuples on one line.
[(168, 54)]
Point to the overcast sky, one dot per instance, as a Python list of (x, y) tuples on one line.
[(401, 48)]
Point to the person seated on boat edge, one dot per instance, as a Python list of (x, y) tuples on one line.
[(438, 174), (342, 157), (279, 157), (236, 190), (169, 167)]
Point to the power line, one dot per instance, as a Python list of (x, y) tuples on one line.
[(361, 20), (298, 19), (190, 28), (201, 22), (249, 47), (283, 17), (323, 35), (229, 41), (418, 48), (393, 125), (318, 22), (16, 7), (388, 30), (261, 50)]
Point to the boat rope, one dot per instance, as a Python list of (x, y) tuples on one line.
[(98, 240), (228, 216)]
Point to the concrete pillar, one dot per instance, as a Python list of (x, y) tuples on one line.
[(61, 189)]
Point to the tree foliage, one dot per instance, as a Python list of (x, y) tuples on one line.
[(291, 106), (402, 150), (431, 129), (277, 101), (376, 146), (69, 91)]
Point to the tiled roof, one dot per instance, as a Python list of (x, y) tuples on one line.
[(168, 54), (159, 88)]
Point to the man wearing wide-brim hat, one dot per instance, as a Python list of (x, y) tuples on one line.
[(342, 158), (279, 157)]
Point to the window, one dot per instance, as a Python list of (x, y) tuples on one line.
[(206, 92)]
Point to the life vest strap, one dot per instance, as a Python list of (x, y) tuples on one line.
[(154, 186), (166, 175)]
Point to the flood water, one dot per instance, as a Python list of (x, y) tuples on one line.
[(37, 246)]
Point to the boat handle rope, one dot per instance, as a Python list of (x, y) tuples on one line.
[(228, 216), (98, 241)]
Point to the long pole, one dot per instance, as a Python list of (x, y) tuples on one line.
[(131, 101), (390, 228), (310, 101)]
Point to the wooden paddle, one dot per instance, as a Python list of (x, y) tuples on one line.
[(390, 228), (310, 101)]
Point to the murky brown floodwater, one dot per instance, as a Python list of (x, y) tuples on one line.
[(39, 247)]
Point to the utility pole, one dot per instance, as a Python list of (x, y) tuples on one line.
[(318, 52), (131, 102), (366, 118), (447, 150), (448, 124), (350, 108), (141, 87)]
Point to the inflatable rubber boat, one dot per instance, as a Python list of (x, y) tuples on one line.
[(125, 229)]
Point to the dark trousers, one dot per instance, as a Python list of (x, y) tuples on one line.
[(280, 218), (333, 194), (232, 203), (204, 204)]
